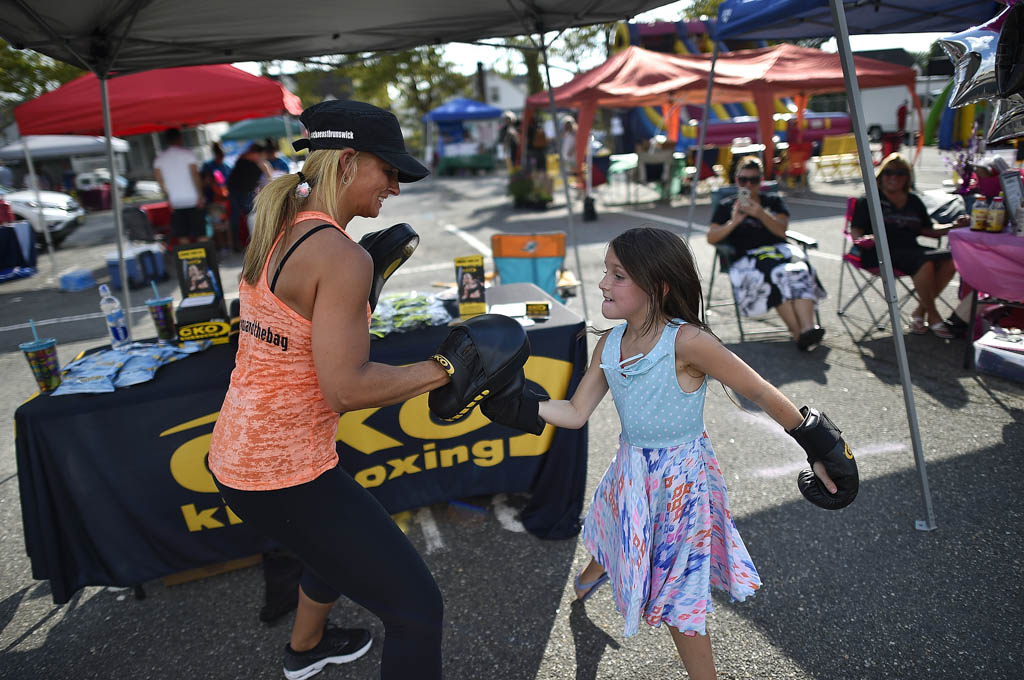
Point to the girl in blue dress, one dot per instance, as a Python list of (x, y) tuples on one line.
[(659, 526)]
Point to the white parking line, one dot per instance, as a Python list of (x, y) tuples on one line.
[(702, 228), (470, 239), (505, 515), (861, 452), (425, 518)]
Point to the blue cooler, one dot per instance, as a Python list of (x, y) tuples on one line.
[(78, 279), (144, 263)]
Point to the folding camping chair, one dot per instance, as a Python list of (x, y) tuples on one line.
[(725, 254), (866, 278), (532, 258)]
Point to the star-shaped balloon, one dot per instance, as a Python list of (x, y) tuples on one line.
[(1007, 119), (973, 53), (1010, 53)]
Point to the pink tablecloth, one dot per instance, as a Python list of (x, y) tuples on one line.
[(990, 263)]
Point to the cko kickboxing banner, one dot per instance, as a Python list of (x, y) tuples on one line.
[(115, 488)]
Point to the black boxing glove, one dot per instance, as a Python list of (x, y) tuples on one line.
[(389, 248), (821, 439), (516, 405), (481, 355)]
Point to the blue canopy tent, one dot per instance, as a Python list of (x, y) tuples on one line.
[(792, 19), (450, 118)]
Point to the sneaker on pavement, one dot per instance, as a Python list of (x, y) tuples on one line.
[(338, 645)]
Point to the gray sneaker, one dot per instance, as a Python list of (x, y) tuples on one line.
[(338, 645)]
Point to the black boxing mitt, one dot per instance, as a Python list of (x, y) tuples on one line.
[(820, 438), (481, 356), (516, 405), (389, 248)]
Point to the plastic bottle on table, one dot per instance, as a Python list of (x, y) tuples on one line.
[(979, 214), (114, 314), (996, 215)]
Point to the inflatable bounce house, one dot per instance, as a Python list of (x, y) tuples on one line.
[(726, 122)]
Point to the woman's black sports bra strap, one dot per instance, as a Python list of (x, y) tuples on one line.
[(292, 250)]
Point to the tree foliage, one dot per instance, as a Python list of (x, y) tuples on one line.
[(699, 8), (410, 82), (24, 75)]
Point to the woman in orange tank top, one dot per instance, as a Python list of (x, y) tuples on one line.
[(303, 358)]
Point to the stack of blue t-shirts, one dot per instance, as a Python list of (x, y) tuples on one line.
[(132, 364)]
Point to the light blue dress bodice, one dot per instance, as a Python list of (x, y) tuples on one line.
[(654, 410)]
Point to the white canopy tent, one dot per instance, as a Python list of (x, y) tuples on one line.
[(60, 146)]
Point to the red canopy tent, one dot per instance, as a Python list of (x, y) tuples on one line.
[(639, 77), (156, 100)]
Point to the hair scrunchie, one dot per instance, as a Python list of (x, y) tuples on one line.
[(302, 189)]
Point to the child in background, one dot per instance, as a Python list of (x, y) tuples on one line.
[(659, 526)]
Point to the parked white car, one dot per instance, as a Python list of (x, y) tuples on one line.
[(60, 211)]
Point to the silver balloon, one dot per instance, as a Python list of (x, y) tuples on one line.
[(973, 53), (1010, 53), (1007, 119)]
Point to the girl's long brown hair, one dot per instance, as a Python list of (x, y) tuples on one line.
[(662, 265)]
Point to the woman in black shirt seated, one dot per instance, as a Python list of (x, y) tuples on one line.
[(767, 273), (906, 218)]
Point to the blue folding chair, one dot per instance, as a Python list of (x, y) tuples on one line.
[(530, 258)]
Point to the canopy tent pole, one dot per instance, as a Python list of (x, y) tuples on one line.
[(115, 195), (564, 175), (882, 244), (288, 135), (700, 140), (39, 206)]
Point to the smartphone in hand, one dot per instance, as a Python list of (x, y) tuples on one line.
[(743, 194)]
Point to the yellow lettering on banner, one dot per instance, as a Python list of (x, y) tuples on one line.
[(354, 432), (188, 465), (371, 476), (449, 456), (488, 452), (414, 419), (203, 519), (554, 376), (403, 466), (189, 424), (232, 517), (429, 456)]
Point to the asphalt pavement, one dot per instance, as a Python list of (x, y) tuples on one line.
[(859, 593)]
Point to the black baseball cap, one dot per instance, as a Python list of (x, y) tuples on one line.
[(346, 124)]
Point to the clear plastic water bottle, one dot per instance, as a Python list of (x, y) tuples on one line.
[(114, 314)]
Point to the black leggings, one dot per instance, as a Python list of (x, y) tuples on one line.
[(350, 546)]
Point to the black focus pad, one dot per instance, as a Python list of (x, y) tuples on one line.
[(516, 405), (481, 356), (389, 248), (822, 441)]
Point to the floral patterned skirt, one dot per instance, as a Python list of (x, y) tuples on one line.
[(660, 525), (765, 277)]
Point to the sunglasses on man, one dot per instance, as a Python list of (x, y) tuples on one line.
[(748, 179)]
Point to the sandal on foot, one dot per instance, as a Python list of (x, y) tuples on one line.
[(918, 326), (810, 337), (589, 589), (942, 330)]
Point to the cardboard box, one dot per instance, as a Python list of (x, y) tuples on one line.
[(1000, 353)]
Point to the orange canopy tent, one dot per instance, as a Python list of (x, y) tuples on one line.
[(639, 77)]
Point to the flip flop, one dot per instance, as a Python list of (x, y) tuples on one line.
[(918, 326), (589, 588), (810, 337)]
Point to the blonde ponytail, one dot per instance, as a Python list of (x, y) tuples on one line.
[(277, 205)]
